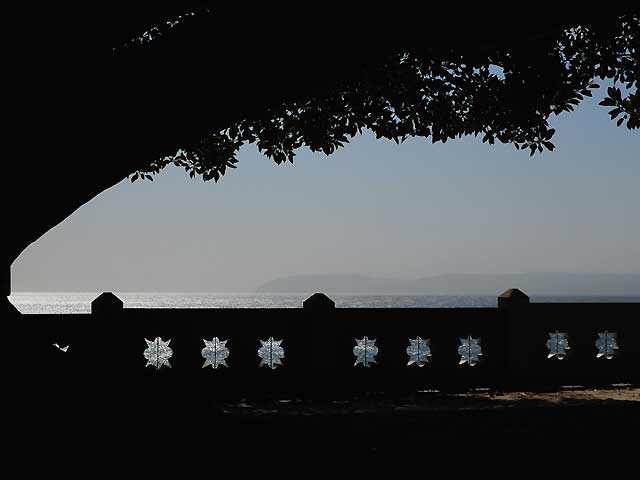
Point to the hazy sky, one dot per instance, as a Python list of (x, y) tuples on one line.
[(374, 207)]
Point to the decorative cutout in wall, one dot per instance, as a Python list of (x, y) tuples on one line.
[(158, 353), (365, 351), (215, 353), (558, 344), (271, 353), (470, 351), (419, 351), (607, 344)]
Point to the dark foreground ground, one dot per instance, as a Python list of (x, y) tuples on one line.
[(363, 424), (379, 423)]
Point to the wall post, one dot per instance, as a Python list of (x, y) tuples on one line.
[(518, 341), (320, 312), (106, 305)]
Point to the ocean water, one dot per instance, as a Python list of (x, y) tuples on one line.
[(75, 302)]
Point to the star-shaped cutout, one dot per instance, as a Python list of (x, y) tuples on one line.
[(607, 344), (558, 344), (215, 353), (419, 351), (271, 353), (470, 351), (365, 351), (158, 353)]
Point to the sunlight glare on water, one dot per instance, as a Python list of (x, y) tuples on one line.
[(69, 302)]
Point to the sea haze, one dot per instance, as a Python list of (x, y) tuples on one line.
[(70, 302), (543, 283)]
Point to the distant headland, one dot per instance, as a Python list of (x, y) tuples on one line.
[(542, 283)]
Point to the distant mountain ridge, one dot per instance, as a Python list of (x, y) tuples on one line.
[(543, 283)]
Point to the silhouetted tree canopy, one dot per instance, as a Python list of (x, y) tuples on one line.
[(122, 89), (503, 93)]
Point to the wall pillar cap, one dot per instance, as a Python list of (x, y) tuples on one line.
[(318, 301), (106, 303), (511, 297), (514, 294)]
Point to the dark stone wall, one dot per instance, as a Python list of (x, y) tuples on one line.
[(318, 341)]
